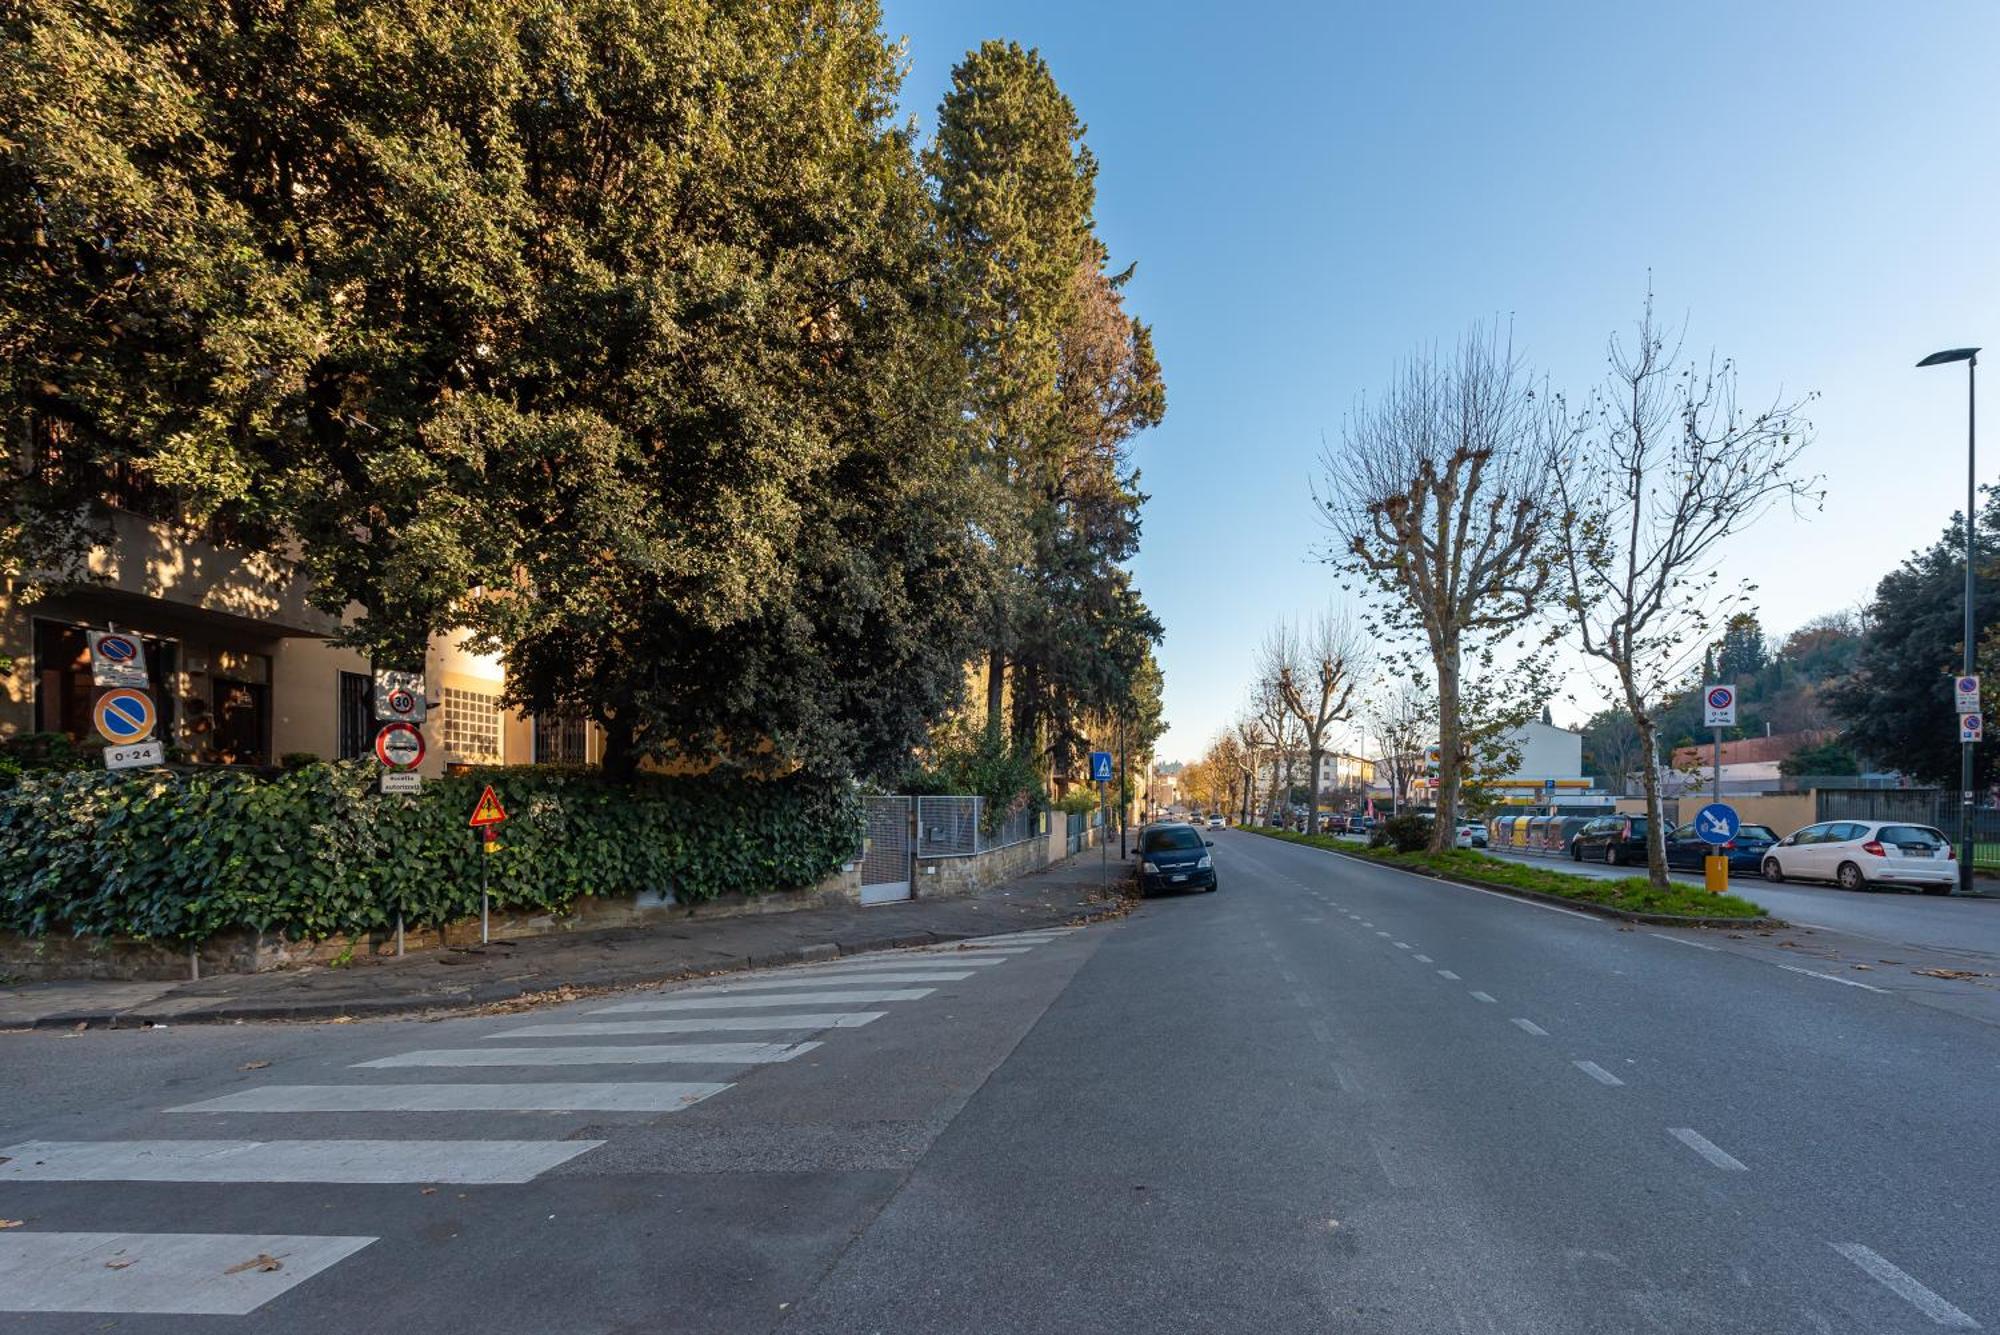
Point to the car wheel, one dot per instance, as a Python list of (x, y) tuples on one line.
[(1612, 856), (1213, 886), (1773, 872), (1576, 851), (1849, 877)]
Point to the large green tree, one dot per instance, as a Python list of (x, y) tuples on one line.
[(606, 331)]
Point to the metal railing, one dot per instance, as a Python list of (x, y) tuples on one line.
[(955, 827)]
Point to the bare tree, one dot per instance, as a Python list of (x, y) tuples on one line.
[(1666, 466), (1405, 724), (1316, 675), (1436, 498), (1250, 738)]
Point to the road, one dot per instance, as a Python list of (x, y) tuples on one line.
[(1330, 1097)]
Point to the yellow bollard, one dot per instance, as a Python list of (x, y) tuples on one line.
[(1716, 868)]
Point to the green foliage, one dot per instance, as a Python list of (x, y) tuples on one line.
[(1634, 894), (1405, 834), (181, 856), (973, 761), (1834, 757), (298, 759), (32, 752), (1079, 802)]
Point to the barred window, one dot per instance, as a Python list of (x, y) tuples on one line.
[(561, 739), (471, 725)]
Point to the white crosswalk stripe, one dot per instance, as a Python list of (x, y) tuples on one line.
[(202, 1274), (159, 1274), (710, 1002), (699, 1054), (458, 1161), (695, 1025), (549, 1096)]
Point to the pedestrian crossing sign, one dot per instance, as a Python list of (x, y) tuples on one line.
[(488, 812)]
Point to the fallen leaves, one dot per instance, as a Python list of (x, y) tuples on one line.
[(1951, 973), (12, 1223), (118, 1263), (262, 1261), (253, 1066)]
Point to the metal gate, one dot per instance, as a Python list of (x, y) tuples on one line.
[(885, 854)]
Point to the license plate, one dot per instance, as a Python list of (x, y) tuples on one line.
[(1181, 877)]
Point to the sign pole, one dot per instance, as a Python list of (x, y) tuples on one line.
[(485, 837)]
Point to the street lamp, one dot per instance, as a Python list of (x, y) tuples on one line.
[(1970, 356)]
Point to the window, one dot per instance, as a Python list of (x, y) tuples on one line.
[(1845, 831), (242, 714), (1171, 838), (1911, 838), (356, 735), (561, 739), (471, 725), (1812, 834)]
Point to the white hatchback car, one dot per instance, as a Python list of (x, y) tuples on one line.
[(1857, 854)]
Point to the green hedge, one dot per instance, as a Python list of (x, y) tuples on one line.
[(183, 855)]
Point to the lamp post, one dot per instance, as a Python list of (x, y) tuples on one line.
[(1970, 356)]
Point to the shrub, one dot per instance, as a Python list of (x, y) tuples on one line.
[(973, 762), (1405, 834), (311, 852)]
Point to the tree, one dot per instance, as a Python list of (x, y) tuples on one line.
[(1740, 653), (1436, 500), (1832, 757), (1897, 702), (1404, 719), (1663, 467), (1315, 675), (1612, 746)]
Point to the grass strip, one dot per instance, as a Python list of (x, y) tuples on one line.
[(1634, 894)]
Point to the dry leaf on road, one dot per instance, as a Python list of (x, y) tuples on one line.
[(253, 1066), (261, 1261), (12, 1223), (1950, 973), (118, 1264)]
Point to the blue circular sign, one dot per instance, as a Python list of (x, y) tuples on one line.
[(124, 716), (116, 648), (1717, 823)]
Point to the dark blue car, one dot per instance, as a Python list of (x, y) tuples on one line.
[(1174, 857), (1745, 852)]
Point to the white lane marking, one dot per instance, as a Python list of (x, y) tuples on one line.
[(695, 1024), (1482, 996), (552, 1096), (860, 963), (1381, 933), (1845, 982), (699, 1024), (1402, 945), (1707, 1148), (715, 1003), (1530, 1027), (158, 1274), (478, 1161), (1599, 1074), (1679, 941), (846, 979), (974, 952), (1016, 939), (704, 1054), (1424, 959), (1899, 1282), (1447, 973)]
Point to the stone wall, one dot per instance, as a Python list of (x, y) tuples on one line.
[(939, 878), (45, 958)]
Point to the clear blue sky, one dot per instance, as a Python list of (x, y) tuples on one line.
[(1312, 191)]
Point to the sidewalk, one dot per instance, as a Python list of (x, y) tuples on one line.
[(1065, 892)]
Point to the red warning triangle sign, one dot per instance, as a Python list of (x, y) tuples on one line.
[(488, 811)]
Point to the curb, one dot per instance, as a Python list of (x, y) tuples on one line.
[(226, 1012), (1558, 901)]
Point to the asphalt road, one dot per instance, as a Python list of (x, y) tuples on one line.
[(1330, 1097)]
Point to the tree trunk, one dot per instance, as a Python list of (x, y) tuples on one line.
[(1656, 834), (996, 690), (1314, 756), (1444, 833)]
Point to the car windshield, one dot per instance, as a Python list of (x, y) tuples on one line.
[(1757, 832), (1911, 836), (1172, 838)]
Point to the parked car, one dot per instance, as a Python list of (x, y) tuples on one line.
[(1858, 854), (1471, 834), (1687, 849), (1616, 841), (1362, 825), (1175, 857)]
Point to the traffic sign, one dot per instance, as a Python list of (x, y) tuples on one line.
[(1100, 767), (1721, 706), (116, 659), (1433, 758), (1971, 728), (1965, 693), (1717, 823), (488, 811), (399, 696), (399, 746), (124, 715), (135, 754)]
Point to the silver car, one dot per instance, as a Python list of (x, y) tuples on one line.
[(1857, 854)]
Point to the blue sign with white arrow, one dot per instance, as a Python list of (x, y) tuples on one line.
[(1717, 823), (1100, 767)]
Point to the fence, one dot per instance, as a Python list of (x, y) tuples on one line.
[(954, 827), (1936, 807)]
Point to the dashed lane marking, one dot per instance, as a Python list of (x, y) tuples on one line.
[(1447, 973), (1707, 1149), (1530, 1027), (1482, 996), (1904, 1286), (1830, 978), (1599, 1074)]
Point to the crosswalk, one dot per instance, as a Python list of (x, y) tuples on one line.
[(717, 1030)]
